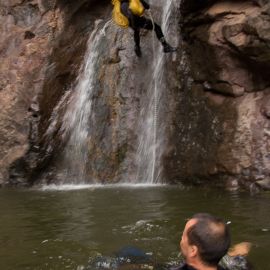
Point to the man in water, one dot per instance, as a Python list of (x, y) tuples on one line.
[(138, 22), (205, 240)]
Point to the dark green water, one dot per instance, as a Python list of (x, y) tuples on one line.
[(64, 229)]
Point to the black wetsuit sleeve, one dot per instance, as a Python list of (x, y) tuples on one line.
[(146, 5)]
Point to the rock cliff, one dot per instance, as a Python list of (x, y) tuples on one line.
[(40, 41), (216, 108), (222, 130)]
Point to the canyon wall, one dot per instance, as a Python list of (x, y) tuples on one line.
[(222, 125), (215, 112)]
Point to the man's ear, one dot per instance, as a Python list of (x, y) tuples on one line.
[(193, 251)]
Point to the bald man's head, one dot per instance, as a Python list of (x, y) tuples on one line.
[(211, 236)]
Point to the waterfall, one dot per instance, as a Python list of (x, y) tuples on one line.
[(151, 130), (76, 123), (82, 113)]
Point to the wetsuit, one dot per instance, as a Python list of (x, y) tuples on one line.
[(138, 22)]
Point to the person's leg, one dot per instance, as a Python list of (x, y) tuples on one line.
[(137, 42), (144, 23), (133, 24)]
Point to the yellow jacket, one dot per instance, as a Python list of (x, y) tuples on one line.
[(135, 6)]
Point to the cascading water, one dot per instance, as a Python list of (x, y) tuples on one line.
[(76, 123), (151, 131)]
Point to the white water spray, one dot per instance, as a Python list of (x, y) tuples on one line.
[(151, 141), (77, 120)]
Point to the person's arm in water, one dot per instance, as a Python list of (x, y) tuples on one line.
[(146, 5)]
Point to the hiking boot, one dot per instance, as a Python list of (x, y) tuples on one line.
[(168, 48), (138, 51)]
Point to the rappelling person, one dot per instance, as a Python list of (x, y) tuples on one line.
[(130, 13)]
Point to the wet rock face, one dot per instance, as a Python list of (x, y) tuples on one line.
[(121, 89), (224, 131), (215, 112), (24, 37), (31, 33)]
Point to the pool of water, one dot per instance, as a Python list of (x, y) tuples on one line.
[(64, 228)]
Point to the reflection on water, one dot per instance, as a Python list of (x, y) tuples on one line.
[(63, 229)]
